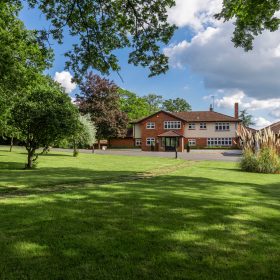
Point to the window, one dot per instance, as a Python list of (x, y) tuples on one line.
[(203, 125), (172, 125), (192, 142), (191, 125), (150, 125), (222, 126), (150, 141), (219, 142), (138, 142)]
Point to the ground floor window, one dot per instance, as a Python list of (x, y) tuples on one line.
[(138, 142), (150, 141), (192, 142), (219, 142)]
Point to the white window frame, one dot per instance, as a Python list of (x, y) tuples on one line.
[(191, 125), (222, 126), (150, 141), (219, 142), (192, 142), (150, 125), (138, 142), (172, 125), (203, 125)]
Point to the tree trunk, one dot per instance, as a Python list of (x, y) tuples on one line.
[(30, 155), (11, 144), (75, 152), (98, 144)]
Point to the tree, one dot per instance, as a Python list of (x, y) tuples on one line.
[(246, 118), (84, 133), (154, 101), (43, 116), (134, 106), (99, 97), (21, 56), (176, 105), (99, 28), (251, 18), (21, 59)]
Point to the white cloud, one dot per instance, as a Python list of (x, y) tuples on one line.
[(65, 79), (194, 13), (261, 122), (212, 54)]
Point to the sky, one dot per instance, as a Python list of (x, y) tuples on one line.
[(203, 63)]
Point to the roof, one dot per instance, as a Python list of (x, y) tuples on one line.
[(205, 116), (196, 116), (275, 127), (170, 133)]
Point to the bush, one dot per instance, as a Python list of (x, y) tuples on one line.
[(265, 161)]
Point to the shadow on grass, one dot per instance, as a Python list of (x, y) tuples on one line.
[(166, 227)]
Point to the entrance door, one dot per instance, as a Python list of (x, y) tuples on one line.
[(170, 143)]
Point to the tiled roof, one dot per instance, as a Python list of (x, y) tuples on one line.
[(196, 116), (170, 133), (275, 127), (204, 116)]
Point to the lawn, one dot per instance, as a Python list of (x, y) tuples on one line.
[(115, 217)]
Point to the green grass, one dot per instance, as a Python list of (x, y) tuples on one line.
[(90, 218)]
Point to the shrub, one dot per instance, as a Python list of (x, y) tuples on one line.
[(248, 161), (265, 161)]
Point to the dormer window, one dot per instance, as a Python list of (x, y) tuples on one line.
[(150, 125)]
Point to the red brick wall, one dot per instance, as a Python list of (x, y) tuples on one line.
[(202, 142), (159, 129), (121, 143)]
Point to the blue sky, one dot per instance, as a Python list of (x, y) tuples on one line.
[(201, 64)]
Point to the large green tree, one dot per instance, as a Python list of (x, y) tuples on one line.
[(99, 28), (251, 18), (154, 101), (176, 105), (43, 116), (99, 97), (21, 59), (134, 106)]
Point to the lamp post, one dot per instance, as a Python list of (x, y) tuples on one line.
[(176, 152)]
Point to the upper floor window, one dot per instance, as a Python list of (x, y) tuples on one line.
[(150, 125), (191, 125), (222, 126), (203, 125), (172, 125)]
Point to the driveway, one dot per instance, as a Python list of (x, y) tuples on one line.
[(220, 155)]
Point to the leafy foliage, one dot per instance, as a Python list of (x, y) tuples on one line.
[(134, 106), (84, 133), (246, 118), (251, 18), (101, 27), (99, 97), (154, 101), (43, 116), (176, 105)]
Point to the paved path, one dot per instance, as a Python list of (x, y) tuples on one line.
[(220, 155)]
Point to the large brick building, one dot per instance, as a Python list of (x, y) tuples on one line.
[(165, 131)]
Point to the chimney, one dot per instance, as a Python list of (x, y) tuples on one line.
[(236, 110), (211, 108)]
